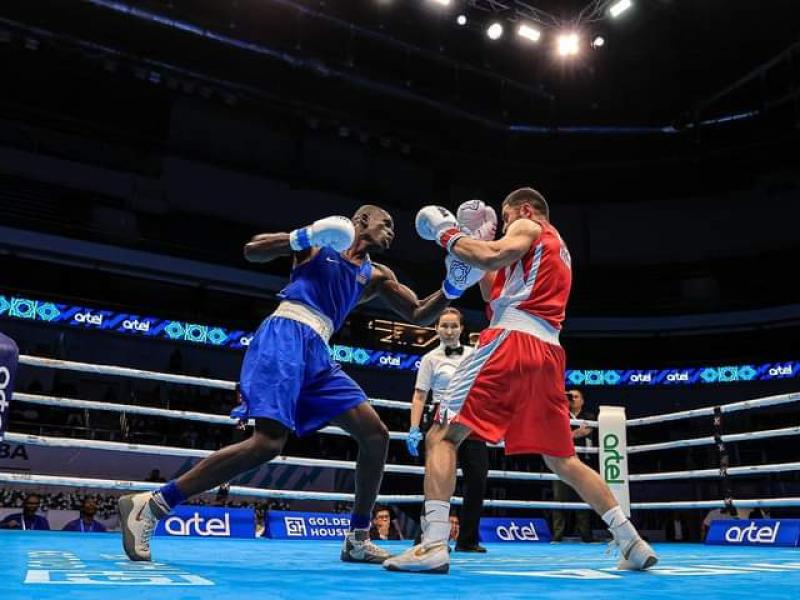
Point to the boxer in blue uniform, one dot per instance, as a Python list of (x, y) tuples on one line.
[(288, 381)]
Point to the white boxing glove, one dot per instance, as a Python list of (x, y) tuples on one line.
[(478, 220), (336, 233), (460, 277), (438, 224)]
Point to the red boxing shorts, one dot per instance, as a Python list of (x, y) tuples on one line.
[(512, 388)]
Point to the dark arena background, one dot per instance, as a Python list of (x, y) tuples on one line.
[(143, 143)]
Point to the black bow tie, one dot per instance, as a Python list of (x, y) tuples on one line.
[(457, 350)]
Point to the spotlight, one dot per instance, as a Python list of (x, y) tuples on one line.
[(568, 44), (442, 2), (461, 20), (598, 42), (529, 33), (620, 7), (495, 31)]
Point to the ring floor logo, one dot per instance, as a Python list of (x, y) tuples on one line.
[(758, 532), (201, 521), (55, 567), (514, 530)]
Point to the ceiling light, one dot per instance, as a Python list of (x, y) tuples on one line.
[(461, 20), (568, 44), (598, 42), (495, 31), (620, 7), (529, 33)]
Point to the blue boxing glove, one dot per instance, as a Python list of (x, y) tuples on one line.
[(460, 277), (412, 441)]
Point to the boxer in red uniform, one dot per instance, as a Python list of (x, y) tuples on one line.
[(512, 387)]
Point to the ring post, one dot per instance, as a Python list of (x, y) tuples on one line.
[(614, 454)]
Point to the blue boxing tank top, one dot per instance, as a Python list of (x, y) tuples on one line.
[(329, 284)]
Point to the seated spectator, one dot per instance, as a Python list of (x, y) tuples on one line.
[(719, 514), (383, 525), (455, 527), (27, 520), (86, 523)]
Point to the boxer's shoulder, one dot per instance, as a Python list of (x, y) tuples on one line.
[(381, 273)]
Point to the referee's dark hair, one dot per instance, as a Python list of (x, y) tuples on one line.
[(451, 311)]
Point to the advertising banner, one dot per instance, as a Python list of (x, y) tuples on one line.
[(208, 521), (283, 525), (754, 532), (514, 530)]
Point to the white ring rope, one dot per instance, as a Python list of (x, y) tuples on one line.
[(235, 490), (705, 441), (57, 442), (126, 408), (182, 414), (68, 365), (709, 410), (408, 469), (743, 503), (703, 473)]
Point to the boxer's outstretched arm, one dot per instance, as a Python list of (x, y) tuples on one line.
[(403, 301), (494, 255), (265, 247)]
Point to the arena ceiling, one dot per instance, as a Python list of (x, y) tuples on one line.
[(409, 60)]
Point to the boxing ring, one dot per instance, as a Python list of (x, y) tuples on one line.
[(37, 564)]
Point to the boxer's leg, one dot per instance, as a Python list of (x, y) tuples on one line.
[(372, 436), (270, 387), (590, 486)]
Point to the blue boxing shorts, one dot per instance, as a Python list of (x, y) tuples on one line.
[(288, 376)]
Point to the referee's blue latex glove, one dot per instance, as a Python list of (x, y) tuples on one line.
[(413, 440)]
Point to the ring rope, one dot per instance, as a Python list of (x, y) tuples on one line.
[(707, 441), (709, 410), (235, 490), (408, 469), (58, 442), (126, 408), (38, 361), (182, 414), (703, 473), (68, 365)]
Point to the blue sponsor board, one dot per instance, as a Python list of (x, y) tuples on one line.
[(94, 318), (755, 532), (514, 530), (284, 525), (83, 317), (205, 521)]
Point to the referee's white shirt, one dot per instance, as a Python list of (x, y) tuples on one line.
[(436, 369)]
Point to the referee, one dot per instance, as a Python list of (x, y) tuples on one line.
[(435, 371)]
